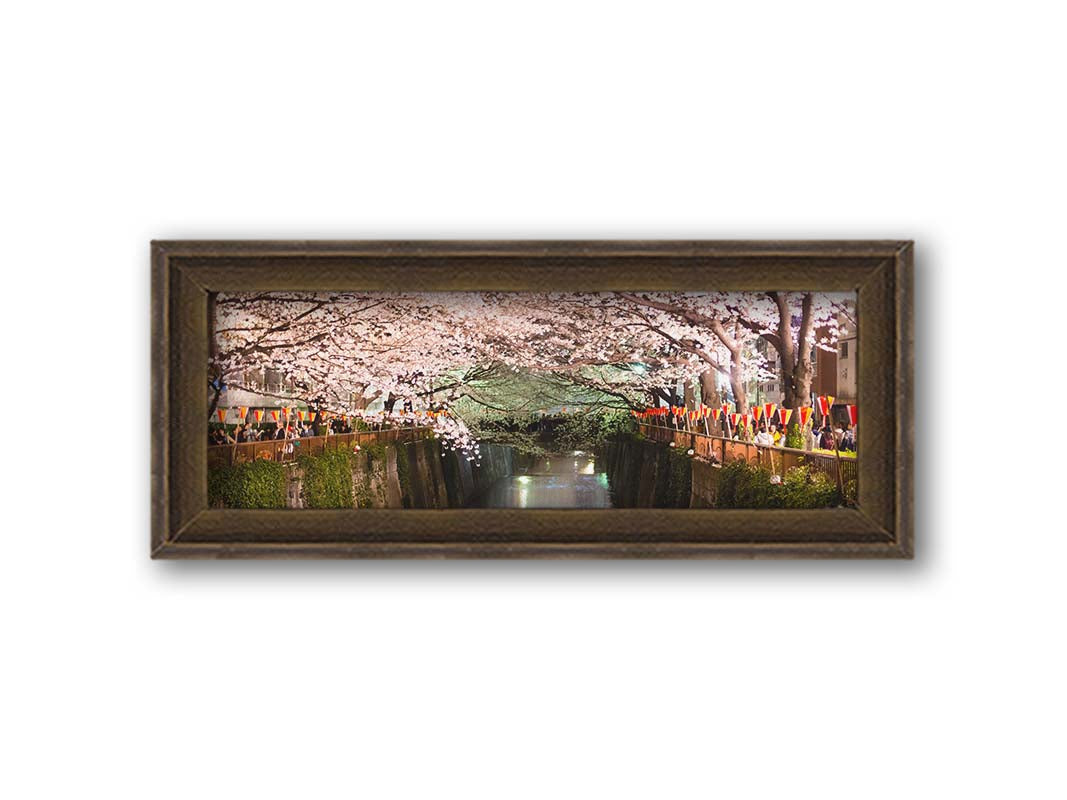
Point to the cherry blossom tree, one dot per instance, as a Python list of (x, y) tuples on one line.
[(346, 351)]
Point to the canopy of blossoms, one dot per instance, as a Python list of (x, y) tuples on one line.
[(416, 352)]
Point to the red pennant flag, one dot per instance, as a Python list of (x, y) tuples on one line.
[(757, 412), (805, 416), (768, 410), (300, 414), (852, 415), (784, 414), (274, 414), (258, 414), (725, 408), (242, 412), (826, 402), (285, 412), (222, 414), (716, 412)]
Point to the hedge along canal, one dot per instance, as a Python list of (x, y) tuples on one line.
[(418, 474)]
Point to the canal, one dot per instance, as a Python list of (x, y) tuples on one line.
[(564, 480)]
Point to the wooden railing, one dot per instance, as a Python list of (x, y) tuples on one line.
[(776, 459), (291, 449)]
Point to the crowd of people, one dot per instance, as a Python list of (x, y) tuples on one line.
[(812, 438), (248, 432), (842, 438)]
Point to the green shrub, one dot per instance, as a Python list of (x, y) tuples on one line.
[(755, 490), (591, 430), (744, 485), (328, 479), (375, 451), (850, 492), (730, 475), (256, 484), (808, 488), (793, 438)]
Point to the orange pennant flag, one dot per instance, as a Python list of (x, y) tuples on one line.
[(258, 414), (222, 414), (242, 412)]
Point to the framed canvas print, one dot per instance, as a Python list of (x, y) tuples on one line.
[(666, 399)]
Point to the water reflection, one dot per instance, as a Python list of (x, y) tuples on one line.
[(563, 481)]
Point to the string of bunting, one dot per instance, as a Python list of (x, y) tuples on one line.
[(765, 412)]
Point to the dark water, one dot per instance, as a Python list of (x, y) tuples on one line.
[(561, 481)]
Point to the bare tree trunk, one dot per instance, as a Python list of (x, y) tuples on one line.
[(688, 395), (737, 380), (804, 370), (786, 351), (794, 359), (737, 386), (709, 389)]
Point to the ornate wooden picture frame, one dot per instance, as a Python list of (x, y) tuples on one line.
[(185, 274)]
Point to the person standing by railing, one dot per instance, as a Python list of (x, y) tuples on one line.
[(826, 440), (848, 439)]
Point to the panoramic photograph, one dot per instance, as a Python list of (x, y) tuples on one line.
[(532, 400)]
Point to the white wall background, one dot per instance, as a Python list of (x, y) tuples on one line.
[(938, 678)]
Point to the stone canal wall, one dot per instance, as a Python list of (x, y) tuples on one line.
[(647, 474), (417, 474)]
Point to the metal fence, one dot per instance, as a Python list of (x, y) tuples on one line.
[(776, 459), (291, 449)]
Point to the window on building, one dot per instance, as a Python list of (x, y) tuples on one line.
[(844, 349), (272, 380)]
